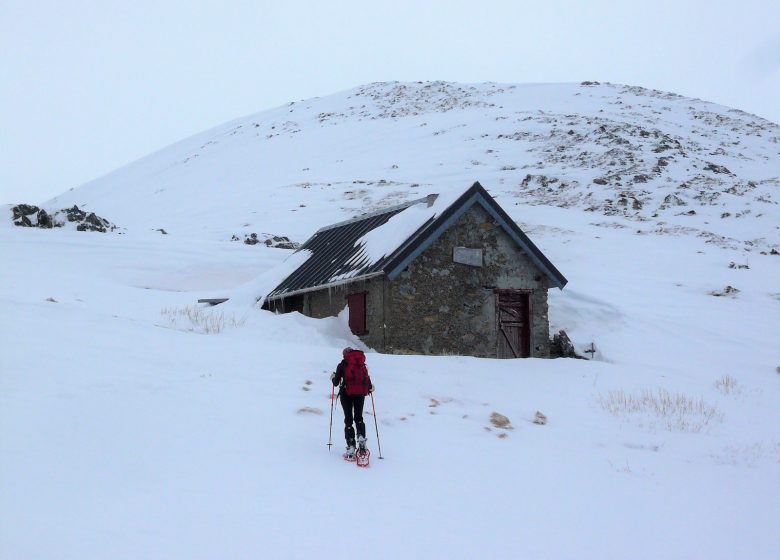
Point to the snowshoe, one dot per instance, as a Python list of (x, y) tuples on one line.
[(349, 454), (362, 457)]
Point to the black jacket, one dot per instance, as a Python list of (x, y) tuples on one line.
[(338, 380)]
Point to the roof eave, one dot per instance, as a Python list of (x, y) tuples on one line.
[(338, 283)]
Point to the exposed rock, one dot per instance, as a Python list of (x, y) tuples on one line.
[(717, 169), (24, 221), (21, 210), (728, 291), (674, 200), (44, 220), (94, 222), (282, 243), (275, 241), (85, 221), (75, 214), (561, 346), (540, 418)]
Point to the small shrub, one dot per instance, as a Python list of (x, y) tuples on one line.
[(673, 411)]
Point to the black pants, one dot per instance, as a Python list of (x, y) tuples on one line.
[(353, 412)]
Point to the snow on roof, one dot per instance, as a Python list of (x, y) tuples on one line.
[(358, 247), (384, 242)]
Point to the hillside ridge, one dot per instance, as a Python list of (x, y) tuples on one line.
[(633, 157)]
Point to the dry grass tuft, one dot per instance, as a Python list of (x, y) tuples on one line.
[(309, 410), (673, 411), (727, 385), (201, 320), (500, 421)]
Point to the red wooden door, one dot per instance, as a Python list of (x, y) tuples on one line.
[(357, 313), (513, 314)]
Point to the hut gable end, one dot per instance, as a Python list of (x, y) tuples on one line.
[(439, 306)]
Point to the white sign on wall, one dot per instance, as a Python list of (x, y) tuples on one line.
[(464, 255)]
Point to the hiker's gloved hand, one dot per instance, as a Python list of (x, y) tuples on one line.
[(333, 378), (371, 390)]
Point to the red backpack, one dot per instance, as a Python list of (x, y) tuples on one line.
[(357, 382)]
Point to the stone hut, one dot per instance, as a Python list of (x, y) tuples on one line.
[(444, 274)]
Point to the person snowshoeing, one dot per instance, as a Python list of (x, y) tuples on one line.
[(352, 379)]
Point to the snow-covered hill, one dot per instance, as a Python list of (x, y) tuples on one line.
[(667, 163), (135, 423)]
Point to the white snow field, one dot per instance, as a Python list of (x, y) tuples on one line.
[(138, 424)]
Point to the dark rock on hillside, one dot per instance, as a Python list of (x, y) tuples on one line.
[(561, 346), (75, 214), (27, 215), (44, 220), (22, 210), (717, 169), (251, 239), (93, 222), (281, 243), (275, 241)]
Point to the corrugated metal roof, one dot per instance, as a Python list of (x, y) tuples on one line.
[(339, 255)]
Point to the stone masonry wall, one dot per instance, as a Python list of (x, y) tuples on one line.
[(438, 306), (329, 303)]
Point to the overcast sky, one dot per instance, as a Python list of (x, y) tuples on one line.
[(88, 86)]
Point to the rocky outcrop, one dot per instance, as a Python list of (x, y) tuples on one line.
[(27, 215), (275, 241)]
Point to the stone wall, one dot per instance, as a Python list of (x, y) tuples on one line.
[(438, 306), (329, 303)]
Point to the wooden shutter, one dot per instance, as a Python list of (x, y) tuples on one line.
[(357, 313)]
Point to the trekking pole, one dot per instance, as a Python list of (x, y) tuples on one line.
[(376, 427), (330, 429)]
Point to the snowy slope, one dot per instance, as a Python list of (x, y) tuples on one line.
[(658, 155), (136, 424)]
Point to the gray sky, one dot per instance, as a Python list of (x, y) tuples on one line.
[(88, 86)]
